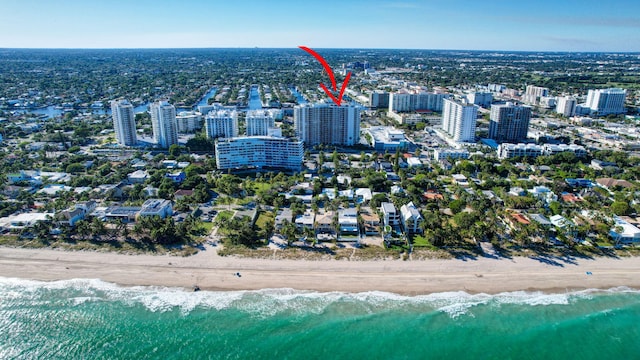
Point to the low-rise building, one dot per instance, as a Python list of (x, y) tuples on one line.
[(624, 232), (348, 221), (386, 138), (390, 215), (306, 220), (450, 153), (138, 177), (157, 207), (411, 219)]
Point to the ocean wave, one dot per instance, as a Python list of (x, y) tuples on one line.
[(269, 302)]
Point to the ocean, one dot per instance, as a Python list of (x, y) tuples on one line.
[(92, 319)]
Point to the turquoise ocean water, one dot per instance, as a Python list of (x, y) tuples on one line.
[(91, 319)]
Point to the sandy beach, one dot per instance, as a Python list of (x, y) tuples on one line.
[(212, 272)]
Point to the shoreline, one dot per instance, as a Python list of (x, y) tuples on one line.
[(209, 271)]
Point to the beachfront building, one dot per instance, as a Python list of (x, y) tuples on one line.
[(624, 232), (326, 123), (259, 152), (259, 122), (604, 102), (163, 122), (221, 124), (348, 221), (459, 120), (156, 207), (411, 219), (124, 122), (188, 122), (509, 122), (390, 215)]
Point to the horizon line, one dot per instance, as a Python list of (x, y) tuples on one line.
[(325, 48)]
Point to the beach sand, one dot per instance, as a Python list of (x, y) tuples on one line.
[(212, 272)]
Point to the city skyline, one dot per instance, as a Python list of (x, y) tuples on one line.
[(509, 26)]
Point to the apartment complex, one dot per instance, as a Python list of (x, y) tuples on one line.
[(259, 122), (221, 124), (407, 102), (509, 122), (188, 122), (163, 122), (124, 122), (566, 106), (259, 152), (327, 124), (459, 120)]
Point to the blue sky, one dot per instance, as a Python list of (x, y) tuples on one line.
[(541, 25)]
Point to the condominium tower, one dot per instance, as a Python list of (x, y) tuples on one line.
[(221, 124), (326, 123), (259, 122), (163, 122), (606, 101), (509, 122), (566, 106), (124, 122), (459, 120)]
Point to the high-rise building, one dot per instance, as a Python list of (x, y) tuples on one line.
[(459, 120), (533, 94), (189, 121), (259, 152), (124, 122), (379, 99), (566, 106), (406, 102), (326, 123), (259, 122), (482, 99), (163, 122), (221, 123), (509, 122), (607, 101)]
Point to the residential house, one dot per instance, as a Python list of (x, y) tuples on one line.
[(306, 220), (157, 207), (177, 177), (138, 177), (348, 221), (390, 215), (324, 223), (610, 183), (370, 221), (411, 219), (283, 214), (181, 193), (624, 232)]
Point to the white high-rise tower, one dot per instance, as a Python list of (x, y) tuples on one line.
[(221, 124), (259, 122), (459, 120), (163, 121), (124, 122)]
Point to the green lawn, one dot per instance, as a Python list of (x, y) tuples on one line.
[(207, 226), (261, 186), (224, 215), (263, 218), (421, 241)]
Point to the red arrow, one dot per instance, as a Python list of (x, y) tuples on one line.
[(327, 68)]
